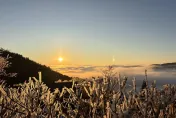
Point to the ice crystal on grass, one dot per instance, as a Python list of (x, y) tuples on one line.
[(105, 97)]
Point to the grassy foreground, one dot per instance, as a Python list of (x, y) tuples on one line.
[(105, 97)]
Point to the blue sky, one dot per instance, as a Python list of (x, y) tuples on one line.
[(90, 32)]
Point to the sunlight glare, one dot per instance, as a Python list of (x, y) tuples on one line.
[(60, 59)]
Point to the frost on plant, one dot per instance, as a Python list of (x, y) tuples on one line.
[(4, 63), (103, 97)]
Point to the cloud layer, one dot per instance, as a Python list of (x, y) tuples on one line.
[(90, 69), (138, 71)]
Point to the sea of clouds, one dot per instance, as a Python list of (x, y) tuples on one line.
[(162, 75)]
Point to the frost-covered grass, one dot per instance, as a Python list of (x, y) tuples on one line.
[(106, 97), (97, 98)]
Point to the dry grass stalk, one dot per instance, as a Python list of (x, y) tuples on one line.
[(105, 97)]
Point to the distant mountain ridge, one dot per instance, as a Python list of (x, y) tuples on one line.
[(25, 68), (164, 66)]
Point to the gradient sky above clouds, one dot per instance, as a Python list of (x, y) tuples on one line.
[(90, 32)]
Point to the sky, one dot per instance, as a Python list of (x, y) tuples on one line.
[(90, 32)]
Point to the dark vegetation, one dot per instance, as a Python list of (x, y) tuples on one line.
[(25, 68)]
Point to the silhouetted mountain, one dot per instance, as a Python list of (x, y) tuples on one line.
[(164, 66), (25, 68)]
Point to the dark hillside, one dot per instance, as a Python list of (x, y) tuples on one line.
[(25, 68), (164, 66)]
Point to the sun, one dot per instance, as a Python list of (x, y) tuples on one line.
[(60, 59)]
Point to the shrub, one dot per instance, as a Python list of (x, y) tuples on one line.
[(105, 97)]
